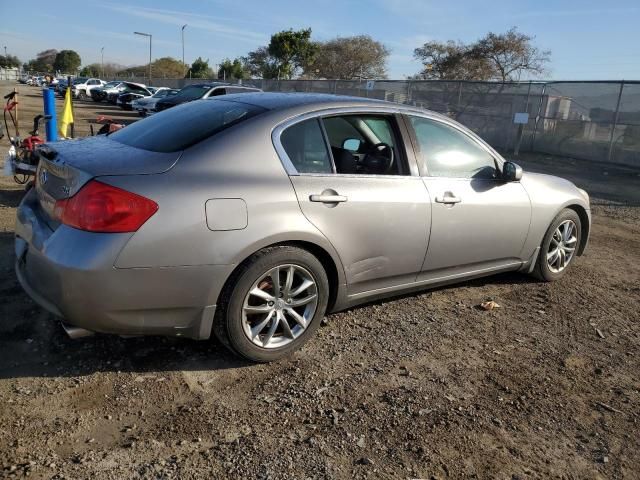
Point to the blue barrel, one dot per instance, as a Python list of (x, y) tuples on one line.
[(49, 98)]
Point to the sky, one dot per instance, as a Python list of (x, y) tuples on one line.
[(589, 40)]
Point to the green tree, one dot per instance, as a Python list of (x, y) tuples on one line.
[(91, 70), (168, 67), (9, 61), (233, 69), (349, 58), (288, 53), (260, 64), (451, 61), (200, 69), (67, 61), (43, 61)]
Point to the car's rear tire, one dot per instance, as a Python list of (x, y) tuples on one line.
[(262, 321), (82, 95), (559, 247)]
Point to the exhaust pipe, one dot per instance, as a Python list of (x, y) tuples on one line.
[(76, 332)]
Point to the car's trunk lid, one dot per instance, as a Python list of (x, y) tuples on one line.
[(64, 167)]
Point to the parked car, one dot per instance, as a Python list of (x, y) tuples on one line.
[(146, 106), (124, 99), (61, 86), (99, 94), (251, 216), (125, 87), (81, 87), (200, 91)]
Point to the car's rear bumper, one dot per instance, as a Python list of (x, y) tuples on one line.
[(71, 273)]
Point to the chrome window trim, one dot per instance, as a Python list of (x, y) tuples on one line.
[(282, 126)]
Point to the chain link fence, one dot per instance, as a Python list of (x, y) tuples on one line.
[(590, 120)]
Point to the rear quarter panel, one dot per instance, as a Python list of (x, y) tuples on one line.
[(240, 163)]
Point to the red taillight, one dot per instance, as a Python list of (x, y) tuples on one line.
[(99, 207)]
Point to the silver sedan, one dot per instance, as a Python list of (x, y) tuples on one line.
[(252, 216)]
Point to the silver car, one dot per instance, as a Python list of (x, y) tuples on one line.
[(253, 215)]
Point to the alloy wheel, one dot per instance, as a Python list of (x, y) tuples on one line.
[(562, 246), (279, 306)]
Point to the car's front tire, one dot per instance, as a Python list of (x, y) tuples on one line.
[(273, 304), (559, 247)]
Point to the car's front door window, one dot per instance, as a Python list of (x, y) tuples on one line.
[(447, 152), (364, 144)]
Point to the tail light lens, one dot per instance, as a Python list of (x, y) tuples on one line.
[(99, 207)]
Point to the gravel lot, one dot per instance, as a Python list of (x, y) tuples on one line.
[(422, 386)]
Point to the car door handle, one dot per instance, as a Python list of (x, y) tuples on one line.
[(324, 198), (448, 197)]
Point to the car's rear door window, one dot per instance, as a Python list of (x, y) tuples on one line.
[(305, 146), (185, 125)]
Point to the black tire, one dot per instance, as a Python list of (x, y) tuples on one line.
[(82, 95), (542, 271), (228, 324)]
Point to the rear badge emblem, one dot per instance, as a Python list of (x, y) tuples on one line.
[(43, 177)]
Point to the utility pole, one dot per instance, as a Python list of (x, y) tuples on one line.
[(183, 64), (5, 51), (102, 61), (150, 40)]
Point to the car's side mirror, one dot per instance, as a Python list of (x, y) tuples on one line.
[(511, 172), (351, 144)]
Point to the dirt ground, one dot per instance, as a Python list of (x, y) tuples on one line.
[(422, 386)]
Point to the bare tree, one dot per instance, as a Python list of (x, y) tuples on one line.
[(502, 57), (349, 58), (511, 54)]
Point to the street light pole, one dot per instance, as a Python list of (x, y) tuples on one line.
[(183, 64), (102, 61), (150, 40)]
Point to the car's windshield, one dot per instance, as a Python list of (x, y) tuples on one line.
[(160, 93), (79, 80), (185, 125), (193, 92), (111, 84)]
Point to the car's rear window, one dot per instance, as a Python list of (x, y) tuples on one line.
[(185, 125)]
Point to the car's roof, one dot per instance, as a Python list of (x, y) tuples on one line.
[(208, 84), (281, 101), (136, 84)]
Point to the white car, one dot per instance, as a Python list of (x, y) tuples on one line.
[(82, 86), (146, 106)]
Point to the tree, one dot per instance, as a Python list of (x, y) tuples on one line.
[(67, 61), (451, 61), (233, 69), (167, 67), (261, 64), (43, 62), (511, 54), (200, 69), (503, 57), (91, 70), (349, 58), (9, 61), (288, 53)]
